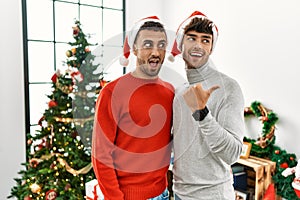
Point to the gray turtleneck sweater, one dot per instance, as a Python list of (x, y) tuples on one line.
[(204, 151)]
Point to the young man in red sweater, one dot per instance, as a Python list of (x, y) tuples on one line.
[(131, 138)]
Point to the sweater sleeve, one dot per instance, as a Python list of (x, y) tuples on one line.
[(104, 134), (223, 128)]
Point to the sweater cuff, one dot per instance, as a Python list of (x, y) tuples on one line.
[(206, 123)]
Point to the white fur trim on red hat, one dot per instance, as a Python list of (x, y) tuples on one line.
[(177, 46), (130, 38)]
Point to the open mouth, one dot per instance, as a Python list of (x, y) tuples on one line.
[(153, 62)]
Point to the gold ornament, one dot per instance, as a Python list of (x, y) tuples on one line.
[(35, 188), (69, 53)]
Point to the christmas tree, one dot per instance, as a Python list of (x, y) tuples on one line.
[(59, 155)]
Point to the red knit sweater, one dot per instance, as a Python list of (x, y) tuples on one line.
[(131, 138)]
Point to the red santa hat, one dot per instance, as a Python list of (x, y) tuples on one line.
[(177, 46), (130, 38)]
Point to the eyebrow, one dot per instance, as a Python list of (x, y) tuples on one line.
[(203, 36), (149, 40), (162, 41), (152, 39)]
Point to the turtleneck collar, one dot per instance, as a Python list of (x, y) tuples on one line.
[(199, 74)]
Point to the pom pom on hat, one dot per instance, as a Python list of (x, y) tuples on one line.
[(174, 52), (130, 38), (126, 52), (124, 61), (177, 46)]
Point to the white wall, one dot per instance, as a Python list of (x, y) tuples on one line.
[(12, 124), (258, 46)]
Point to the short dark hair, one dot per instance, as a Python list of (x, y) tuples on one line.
[(200, 25), (151, 25)]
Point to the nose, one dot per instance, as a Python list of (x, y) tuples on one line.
[(155, 51), (198, 44)]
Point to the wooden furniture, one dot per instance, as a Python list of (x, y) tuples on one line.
[(259, 174)]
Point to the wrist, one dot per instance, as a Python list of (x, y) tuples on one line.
[(199, 115)]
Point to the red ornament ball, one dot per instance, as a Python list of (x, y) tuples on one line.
[(52, 103), (52, 166), (277, 152), (67, 187), (76, 31), (33, 162), (284, 165)]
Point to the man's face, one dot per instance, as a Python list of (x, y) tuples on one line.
[(196, 48), (150, 50)]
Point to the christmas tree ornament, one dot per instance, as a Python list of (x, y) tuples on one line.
[(34, 162), (29, 141), (292, 158), (73, 50), (67, 187), (35, 188), (23, 182), (51, 195), (284, 165), (53, 166), (55, 76), (52, 103), (65, 88), (69, 53), (76, 31)]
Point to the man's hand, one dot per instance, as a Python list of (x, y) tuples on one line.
[(196, 97)]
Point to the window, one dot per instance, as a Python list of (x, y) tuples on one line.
[(47, 28)]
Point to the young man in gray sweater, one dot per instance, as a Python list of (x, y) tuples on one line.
[(208, 118)]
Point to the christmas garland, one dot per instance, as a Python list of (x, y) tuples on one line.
[(268, 119), (35, 161)]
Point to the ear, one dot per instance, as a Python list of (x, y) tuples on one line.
[(134, 50), (211, 49)]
